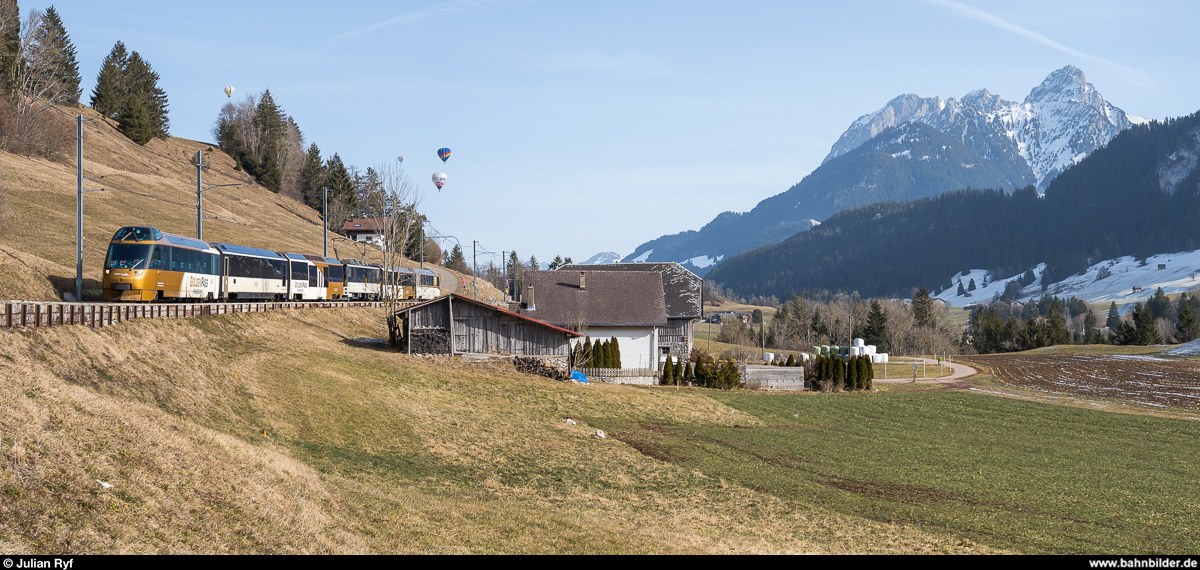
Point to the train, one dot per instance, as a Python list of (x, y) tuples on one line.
[(144, 264)]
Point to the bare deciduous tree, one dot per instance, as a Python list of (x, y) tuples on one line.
[(391, 198), (26, 122)]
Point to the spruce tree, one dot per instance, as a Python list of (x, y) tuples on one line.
[(922, 308), (64, 70), (961, 291), (1145, 332), (109, 94), (687, 371), (877, 328), (135, 122), (312, 177), (142, 83), (971, 286), (10, 46), (340, 185), (1114, 317), (700, 372), (616, 353), (668, 372), (791, 361), (1056, 326), (1186, 328)]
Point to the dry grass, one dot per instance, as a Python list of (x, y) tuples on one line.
[(364, 450), (151, 185)]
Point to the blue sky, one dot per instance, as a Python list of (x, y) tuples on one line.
[(581, 127)]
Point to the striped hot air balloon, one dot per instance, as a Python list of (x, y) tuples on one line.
[(444, 154)]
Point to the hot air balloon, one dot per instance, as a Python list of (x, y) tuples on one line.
[(400, 158), (229, 91), (444, 154), (439, 178)]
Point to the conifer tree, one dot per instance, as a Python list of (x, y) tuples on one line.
[(1056, 326), (1114, 317), (687, 371), (922, 308), (616, 353), (135, 122), (791, 361), (1145, 333), (312, 177), (668, 371), (700, 372), (971, 286), (876, 332), (142, 83), (64, 69), (339, 183), (852, 374), (109, 94), (961, 291), (1186, 328), (587, 352), (10, 46)]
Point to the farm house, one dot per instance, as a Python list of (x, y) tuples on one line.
[(626, 305), (478, 328)]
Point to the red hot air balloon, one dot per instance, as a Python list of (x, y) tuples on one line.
[(439, 178), (444, 154)]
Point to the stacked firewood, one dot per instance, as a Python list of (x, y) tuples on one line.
[(530, 365), (431, 341)]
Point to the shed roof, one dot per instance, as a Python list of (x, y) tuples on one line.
[(612, 298), (682, 288), (460, 299)]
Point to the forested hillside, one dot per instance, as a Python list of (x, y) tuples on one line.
[(1137, 196)]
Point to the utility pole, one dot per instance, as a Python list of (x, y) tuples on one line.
[(199, 198), (422, 244), (474, 270), (79, 208), (325, 221)]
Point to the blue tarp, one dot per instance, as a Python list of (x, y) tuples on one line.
[(579, 377)]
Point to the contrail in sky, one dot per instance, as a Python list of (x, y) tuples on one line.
[(445, 8), (1132, 76)]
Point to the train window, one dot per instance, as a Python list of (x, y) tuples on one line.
[(335, 273), (156, 257), (299, 271), (127, 256)]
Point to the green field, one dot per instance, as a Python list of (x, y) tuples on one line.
[(1009, 474)]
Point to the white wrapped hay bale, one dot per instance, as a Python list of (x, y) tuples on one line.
[(858, 342)]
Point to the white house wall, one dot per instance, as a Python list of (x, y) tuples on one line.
[(639, 345)]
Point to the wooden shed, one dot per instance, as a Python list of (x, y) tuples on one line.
[(478, 328)]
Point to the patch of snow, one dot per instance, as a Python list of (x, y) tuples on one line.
[(643, 257), (703, 261), (1124, 273), (905, 154)]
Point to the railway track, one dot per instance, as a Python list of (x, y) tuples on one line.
[(31, 314)]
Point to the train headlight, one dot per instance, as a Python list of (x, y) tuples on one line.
[(107, 271)]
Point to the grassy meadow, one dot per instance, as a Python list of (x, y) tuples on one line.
[(287, 432)]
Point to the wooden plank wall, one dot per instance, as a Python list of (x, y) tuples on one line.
[(485, 331), (30, 314)]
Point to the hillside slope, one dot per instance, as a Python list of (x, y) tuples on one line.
[(280, 432), (151, 185)]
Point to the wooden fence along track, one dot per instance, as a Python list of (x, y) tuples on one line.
[(28, 314)]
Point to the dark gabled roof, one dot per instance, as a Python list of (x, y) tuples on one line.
[(612, 298), (459, 299), (681, 287)]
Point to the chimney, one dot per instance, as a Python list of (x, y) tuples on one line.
[(529, 304), (582, 281)]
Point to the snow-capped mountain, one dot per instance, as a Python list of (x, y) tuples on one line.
[(1061, 121), (604, 258)]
